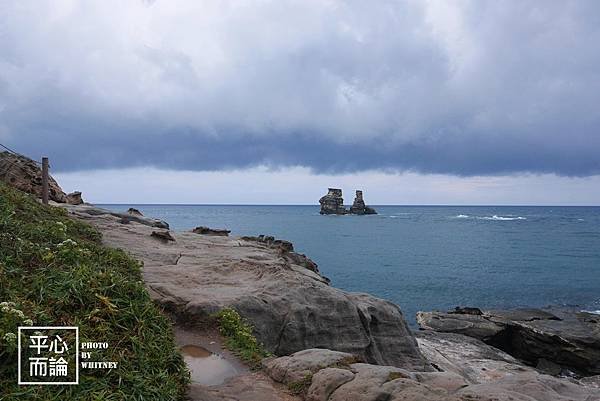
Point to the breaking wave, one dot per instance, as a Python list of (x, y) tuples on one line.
[(502, 218), (494, 217)]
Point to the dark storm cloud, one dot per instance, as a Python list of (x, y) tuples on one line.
[(463, 88)]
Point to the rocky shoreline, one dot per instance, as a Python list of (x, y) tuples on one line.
[(329, 344), (332, 345)]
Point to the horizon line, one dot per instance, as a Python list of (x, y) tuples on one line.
[(310, 204)]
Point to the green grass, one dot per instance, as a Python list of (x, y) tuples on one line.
[(54, 271), (239, 338)]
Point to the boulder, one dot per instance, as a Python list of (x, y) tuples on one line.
[(134, 212), (471, 359), (74, 198), (163, 235), (544, 337), (333, 202), (211, 231), (25, 175), (359, 207), (323, 375)]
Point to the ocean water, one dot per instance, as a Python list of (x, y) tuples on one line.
[(431, 257)]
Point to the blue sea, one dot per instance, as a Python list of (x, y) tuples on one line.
[(431, 257)]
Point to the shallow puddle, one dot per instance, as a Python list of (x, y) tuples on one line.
[(205, 367)]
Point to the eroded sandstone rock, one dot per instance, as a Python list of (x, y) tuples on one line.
[(359, 207), (291, 307), (25, 175), (74, 198), (134, 212), (567, 338), (327, 378), (333, 202), (89, 212), (211, 231), (163, 235)]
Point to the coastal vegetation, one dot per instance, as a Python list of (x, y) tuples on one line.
[(55, 272), (239, 338)]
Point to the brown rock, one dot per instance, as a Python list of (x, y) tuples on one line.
[(333, 203), (563, 337), (74, 198), (211, 231), (163, 235), (359, 207), (25, 175), (134, 212)]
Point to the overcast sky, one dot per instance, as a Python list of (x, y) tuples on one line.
[(415, 101)]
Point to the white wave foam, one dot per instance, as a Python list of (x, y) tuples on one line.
[(594, 312), (461, 216), (502, 218)]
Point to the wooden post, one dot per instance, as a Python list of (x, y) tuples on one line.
[(45, 180)]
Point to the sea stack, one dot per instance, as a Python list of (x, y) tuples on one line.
[(332, 203), (359, 207)]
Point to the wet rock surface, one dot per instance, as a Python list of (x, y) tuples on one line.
[(557, 340)]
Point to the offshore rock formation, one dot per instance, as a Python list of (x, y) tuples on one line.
[(333, 203), (359, 207), (554, 340)]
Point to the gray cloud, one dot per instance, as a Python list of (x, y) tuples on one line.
[(463, 87)]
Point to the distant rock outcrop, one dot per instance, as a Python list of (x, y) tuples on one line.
[(359, 207), (333, 203)]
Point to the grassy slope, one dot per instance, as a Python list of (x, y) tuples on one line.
[(54, 281)]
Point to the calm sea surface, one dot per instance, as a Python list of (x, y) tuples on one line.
[(431, 257)]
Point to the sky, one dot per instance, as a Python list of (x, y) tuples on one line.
[(415, 102)]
